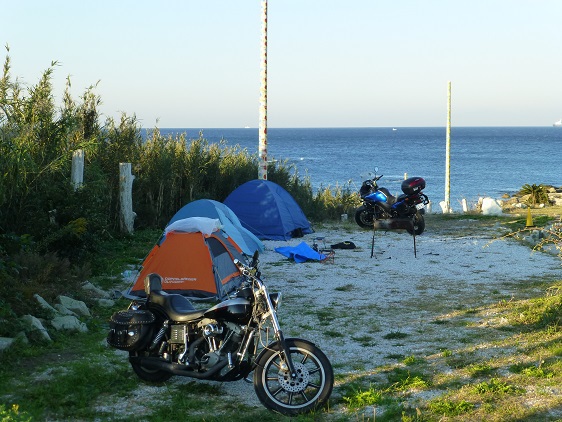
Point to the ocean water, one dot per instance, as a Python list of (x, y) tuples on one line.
[(484, 161)]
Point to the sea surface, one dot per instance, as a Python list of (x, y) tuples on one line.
[(484, 161)]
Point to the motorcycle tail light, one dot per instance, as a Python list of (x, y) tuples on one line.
[(275, 300)]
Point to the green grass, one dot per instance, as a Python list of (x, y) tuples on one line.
[(394, 335), (403, 379), (450, 408), (364, 340), (358, 398), (412, 360), (345, 288), (496, 386), (479, 369)]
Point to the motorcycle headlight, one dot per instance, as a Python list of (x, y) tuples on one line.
[(245, 292), (275, 300)]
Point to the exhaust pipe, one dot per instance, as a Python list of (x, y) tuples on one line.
[(176, 368)]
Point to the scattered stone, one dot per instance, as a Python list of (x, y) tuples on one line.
[(95, 290), (22, 337), (76, 306), (5, 342), (555, 198), (106, 303), (43, 303), (491, 207), (63, 310), (36, 326), (68, 322)]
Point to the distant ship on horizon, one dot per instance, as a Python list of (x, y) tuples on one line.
[(557, 123)]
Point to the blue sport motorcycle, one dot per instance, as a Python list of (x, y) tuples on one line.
[(380, 204)]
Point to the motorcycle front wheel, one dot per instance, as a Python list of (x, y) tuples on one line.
[(419, 224), (311, 388), (364, 217)]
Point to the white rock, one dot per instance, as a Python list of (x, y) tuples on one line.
[(43, 303), (63, 310), (68, 322), (36, 325), (491, 207), (106, 303), (76, 306), (6, 342), (95, 290)]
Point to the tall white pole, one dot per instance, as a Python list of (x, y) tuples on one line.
[(262, 150), (448, 153)]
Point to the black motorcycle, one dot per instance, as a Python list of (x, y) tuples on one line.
[(165, 336), (380, 204)]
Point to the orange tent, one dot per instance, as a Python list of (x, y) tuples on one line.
[(193, 264)]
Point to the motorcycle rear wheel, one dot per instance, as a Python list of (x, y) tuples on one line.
[(311, 388), (419, 224), (148, 374), (364, 217)]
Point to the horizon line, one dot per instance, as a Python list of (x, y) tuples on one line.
[(347, 127)]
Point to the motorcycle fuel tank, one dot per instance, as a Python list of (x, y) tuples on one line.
[(237, 310), (377, 196)]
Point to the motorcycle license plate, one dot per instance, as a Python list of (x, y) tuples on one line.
[(420, 206)]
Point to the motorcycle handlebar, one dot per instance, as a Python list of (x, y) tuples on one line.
[(245, 270), (239, 264)]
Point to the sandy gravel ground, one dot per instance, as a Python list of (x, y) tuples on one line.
[(352, 307), (367, 312)]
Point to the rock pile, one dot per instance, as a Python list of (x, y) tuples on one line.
[(65, 315), (516, 201)]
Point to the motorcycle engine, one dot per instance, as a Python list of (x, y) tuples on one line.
[(212, 332), (221, 339)]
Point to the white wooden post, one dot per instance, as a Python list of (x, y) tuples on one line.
[(77, 170), (464, 205), (126, 197)]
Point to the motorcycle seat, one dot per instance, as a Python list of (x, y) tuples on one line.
[(177, 307), (390, 198)]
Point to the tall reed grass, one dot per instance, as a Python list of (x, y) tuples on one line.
[(40, 211)]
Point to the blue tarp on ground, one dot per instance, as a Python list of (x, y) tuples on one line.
[(300, 253), (268, 210), (230, 223)]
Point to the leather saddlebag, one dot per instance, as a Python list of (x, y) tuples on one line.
[(131, 329)]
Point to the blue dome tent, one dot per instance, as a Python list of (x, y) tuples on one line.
[(230, 223), (268, 210)]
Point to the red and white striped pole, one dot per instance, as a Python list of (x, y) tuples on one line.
[(262, 150)]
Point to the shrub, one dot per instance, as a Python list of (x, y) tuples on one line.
[(537, 194)]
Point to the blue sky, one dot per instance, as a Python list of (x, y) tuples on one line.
[(351, 63)]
